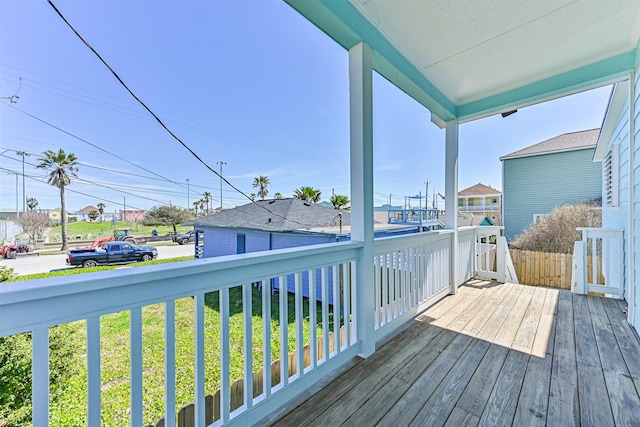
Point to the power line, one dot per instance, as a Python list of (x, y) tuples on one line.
[(160, 122)]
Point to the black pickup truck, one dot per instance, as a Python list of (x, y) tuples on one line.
[(111, 253)]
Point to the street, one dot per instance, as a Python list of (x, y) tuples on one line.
[(42, 264)]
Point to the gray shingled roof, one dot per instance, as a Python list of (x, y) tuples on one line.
[(298, 215), (565, 142)]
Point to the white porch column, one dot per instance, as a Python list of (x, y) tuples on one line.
[(630, 250), (361, 123), (451, 197)]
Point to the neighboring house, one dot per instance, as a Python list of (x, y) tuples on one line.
[(551, 173), (620, 183), (55, 215), (83, 214), (481, 199), (131, 214)]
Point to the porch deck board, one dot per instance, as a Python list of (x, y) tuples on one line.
[(494, 354)]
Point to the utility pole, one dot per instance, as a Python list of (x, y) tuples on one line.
[(188, 190), (221, 163), (24, 194), (426, 194)]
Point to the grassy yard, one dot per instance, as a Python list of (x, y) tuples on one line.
[(105, 229), (69, 408)]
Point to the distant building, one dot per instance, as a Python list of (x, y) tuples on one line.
[(554, 172), (132, 215), (83, 214)]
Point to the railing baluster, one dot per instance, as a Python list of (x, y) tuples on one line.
[(354, 298), (347, 303), (135, 326), (40, 374), (325, 314), (313, 320), (299, 325), (225, 401), (385, 295), (199, 357), (336, 308), (247, 321), (377, 291), (266, 336), (284, 332), (169, 362), (93, 371)]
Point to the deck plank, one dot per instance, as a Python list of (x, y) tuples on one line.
[(475, 396), (437, 409), (461, 418), (526, 334), (507, 333), (482, 317), (533, 403), (594, 410), (412, 401), (564, 408), (501, 406), (573, 361), (623, 395)]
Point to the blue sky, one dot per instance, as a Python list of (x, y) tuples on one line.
[(250, 83)]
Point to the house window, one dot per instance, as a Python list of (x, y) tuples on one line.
[(494, 200), (470, 202), (538, 217), (241, 243), (610, 171)]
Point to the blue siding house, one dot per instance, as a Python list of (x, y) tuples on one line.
[(618, 153), (554, 172), (278, 224)]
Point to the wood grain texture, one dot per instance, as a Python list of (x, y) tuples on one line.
[(494, 354)]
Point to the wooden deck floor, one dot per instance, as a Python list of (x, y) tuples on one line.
[(493, 355)]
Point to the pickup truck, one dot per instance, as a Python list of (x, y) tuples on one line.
[(185, 238), (111, 253)]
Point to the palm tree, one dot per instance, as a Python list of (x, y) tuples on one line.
[(308, 194), (101, 207), (196, 206), (261, 182), (203, 205), (339, 201), (277, 195), (209, 198), (32, 203), (62, 167), (252, 196)]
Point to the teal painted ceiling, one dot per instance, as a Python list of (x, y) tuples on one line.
[(467, 59)]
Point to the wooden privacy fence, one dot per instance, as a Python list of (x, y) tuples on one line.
[(186, 415), (547, 269)]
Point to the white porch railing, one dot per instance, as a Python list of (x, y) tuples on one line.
[(411, 273), (598, 262)]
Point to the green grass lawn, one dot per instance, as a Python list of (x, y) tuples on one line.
[(105, 229), (70, 407)]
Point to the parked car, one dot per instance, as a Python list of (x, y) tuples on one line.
[(184, 238), (110, 253)]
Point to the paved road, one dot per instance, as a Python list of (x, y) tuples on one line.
[(42, 264)]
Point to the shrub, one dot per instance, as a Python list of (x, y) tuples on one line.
[(6, 274), (15, 371), (557, 232)]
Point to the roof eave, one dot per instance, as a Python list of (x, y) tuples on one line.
[(584, 147), (617, 102)]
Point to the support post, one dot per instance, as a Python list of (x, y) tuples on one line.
[(630, 252), (361, 167), (451, 197)]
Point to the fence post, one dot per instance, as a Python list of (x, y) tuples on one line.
[(501, 264), (577, 276)]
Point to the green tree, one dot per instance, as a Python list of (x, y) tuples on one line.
[(101, 207), (62, 167), (196, 206), (308, 194), (261, 183), (208, 198), (93, 215), (166, 215), (339, 201), (278, 195), (32, 203), (252, 196)]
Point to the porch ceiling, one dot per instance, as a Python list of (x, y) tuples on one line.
[(468, 59)]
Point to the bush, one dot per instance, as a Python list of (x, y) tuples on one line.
[(6, 274), (15, 371), (557, 232)]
